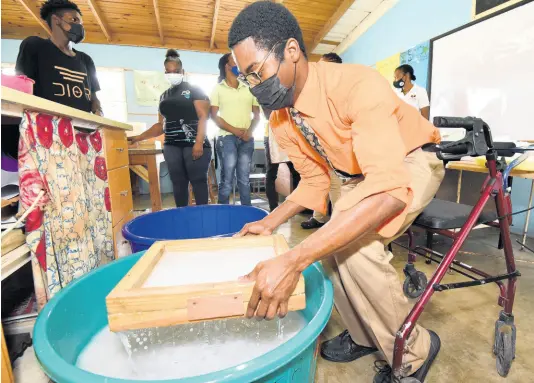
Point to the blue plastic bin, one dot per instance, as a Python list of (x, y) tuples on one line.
[(189, 223), (74, 315)]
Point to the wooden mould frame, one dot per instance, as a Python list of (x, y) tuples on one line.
[(130, 306)]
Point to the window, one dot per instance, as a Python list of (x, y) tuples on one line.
[(8, 69), (207, 83), (112, 93)]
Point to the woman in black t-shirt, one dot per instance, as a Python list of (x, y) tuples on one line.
[(183, 117)]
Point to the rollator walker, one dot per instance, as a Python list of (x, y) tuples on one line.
[(444, 218)]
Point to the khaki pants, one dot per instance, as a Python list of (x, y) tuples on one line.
[(368, 293), (334, 194)]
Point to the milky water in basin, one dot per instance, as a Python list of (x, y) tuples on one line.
[(190, 349), (185, 350)]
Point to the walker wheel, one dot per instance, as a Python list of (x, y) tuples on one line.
[(504, 347), (415, 284)]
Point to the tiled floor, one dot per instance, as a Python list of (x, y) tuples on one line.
[(463, 318), (26, 369)]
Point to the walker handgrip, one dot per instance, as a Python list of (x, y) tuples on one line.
[(456, 149), (453, 122), (505, 149)]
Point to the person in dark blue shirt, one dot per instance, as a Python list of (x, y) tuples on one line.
[(183, 117)]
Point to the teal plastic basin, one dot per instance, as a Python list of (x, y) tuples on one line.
[(78, 312)]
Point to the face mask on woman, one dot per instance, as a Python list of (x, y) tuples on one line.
[(174, 78), (399, 84)]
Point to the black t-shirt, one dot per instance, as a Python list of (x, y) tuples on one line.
[(179, 114), (64, 79)]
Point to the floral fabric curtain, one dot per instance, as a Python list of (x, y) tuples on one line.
[(70, 231)]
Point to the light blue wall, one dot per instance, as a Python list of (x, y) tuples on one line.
[(409, 23)]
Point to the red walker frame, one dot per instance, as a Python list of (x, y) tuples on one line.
[(492, 187)]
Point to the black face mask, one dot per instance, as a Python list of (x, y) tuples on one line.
[(76, 33), (399, 84), (272, 95)]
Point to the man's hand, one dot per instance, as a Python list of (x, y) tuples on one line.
[(276, 279), (133, 139), (255, 228), (198, 150), (247, 135)]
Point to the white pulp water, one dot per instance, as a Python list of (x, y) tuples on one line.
[(185, 350), (214, 266)]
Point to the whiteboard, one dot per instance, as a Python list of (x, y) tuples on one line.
[(486, 70)]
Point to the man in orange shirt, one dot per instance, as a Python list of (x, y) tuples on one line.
[(348, 119)]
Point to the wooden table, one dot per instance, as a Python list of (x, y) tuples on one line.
[(472, 166), (145, 163)]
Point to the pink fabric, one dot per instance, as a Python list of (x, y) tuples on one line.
[(70, 231)]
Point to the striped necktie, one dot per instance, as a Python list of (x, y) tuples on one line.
[(311, 137)]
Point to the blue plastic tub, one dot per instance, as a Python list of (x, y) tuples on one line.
[(78, 312), (189, 223)]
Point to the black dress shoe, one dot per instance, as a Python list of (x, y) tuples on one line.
[(384, 373), (312, 223), (342, 349)]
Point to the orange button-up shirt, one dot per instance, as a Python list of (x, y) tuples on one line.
[(364, 128)]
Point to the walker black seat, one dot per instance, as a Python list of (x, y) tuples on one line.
[(440, 214)]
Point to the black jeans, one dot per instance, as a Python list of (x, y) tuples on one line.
[(184, 170), (272, 174)]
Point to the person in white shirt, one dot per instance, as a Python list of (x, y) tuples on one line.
[(409, 91)]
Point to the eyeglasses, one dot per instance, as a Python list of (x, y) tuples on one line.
[(254, 78)]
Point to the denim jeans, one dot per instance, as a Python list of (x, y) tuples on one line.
[(236, 157)]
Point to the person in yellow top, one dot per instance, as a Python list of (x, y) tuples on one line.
[(232, 108)]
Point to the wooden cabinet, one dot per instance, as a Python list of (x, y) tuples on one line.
[(115, 146), (121, 245), (7, 372), (120, 191), (120, 187)]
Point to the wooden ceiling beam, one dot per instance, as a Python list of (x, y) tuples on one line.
[(340, 11), (328, 42), (214, 22), (99, 19), (158, 21), (33, 7)]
